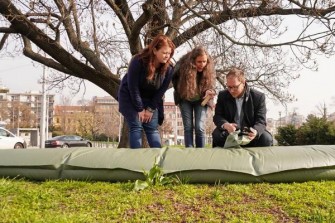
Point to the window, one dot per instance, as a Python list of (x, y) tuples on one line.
[(3, 132)]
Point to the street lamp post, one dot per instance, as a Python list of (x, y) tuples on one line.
[(18, 120), (46, 118), (43, 113)]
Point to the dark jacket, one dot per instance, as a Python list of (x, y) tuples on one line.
[(136, 93), (175, 80), (254, 110)]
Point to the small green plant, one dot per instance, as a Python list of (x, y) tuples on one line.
[(318, 216), (216, 192), (181, 180), (155, 177)]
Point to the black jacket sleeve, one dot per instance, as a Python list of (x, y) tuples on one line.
[(255, 111), (223, 109), (175, 81)]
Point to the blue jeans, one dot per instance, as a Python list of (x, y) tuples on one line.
[(150, 129), (188, 109)]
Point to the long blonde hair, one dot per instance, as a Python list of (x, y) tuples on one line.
[(187, 86)]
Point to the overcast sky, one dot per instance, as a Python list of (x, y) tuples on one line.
[(312, 89)]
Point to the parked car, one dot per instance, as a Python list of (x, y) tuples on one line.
[(66, 141), (10, 141)]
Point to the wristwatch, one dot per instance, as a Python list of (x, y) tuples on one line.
[(150, 109)]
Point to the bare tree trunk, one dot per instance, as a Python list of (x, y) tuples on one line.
[(124, 140), (145, 143)]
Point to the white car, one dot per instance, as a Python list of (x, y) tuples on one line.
[(10, 141)]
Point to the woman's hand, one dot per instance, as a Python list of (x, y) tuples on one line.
[(148, 115), (210, 93), (141, 116), (211, 105), (145, 116)]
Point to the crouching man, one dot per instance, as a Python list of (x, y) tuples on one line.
[(240, 107)]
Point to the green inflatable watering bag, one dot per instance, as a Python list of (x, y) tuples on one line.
[(195, 165)]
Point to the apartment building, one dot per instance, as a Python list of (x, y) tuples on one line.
[(110, 119), (172, 129), (73, 119), (101, 116), (24, 110)]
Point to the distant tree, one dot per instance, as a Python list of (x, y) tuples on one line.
[(108, 122), (165, 129), (286, 135), (94, 40), (85, 124), (316, 131), (65, 100), (19, 114), (27, 119), (323, 110), (56, 131), (4, 111), (210, 126)]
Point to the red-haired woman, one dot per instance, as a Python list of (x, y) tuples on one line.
[(142, 89)]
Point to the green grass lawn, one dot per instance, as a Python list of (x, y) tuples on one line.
[(78, 201)]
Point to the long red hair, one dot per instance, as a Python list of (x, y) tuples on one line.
[(148, 56)]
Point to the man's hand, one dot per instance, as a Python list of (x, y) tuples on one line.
[(252, 134), (230, 127)]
